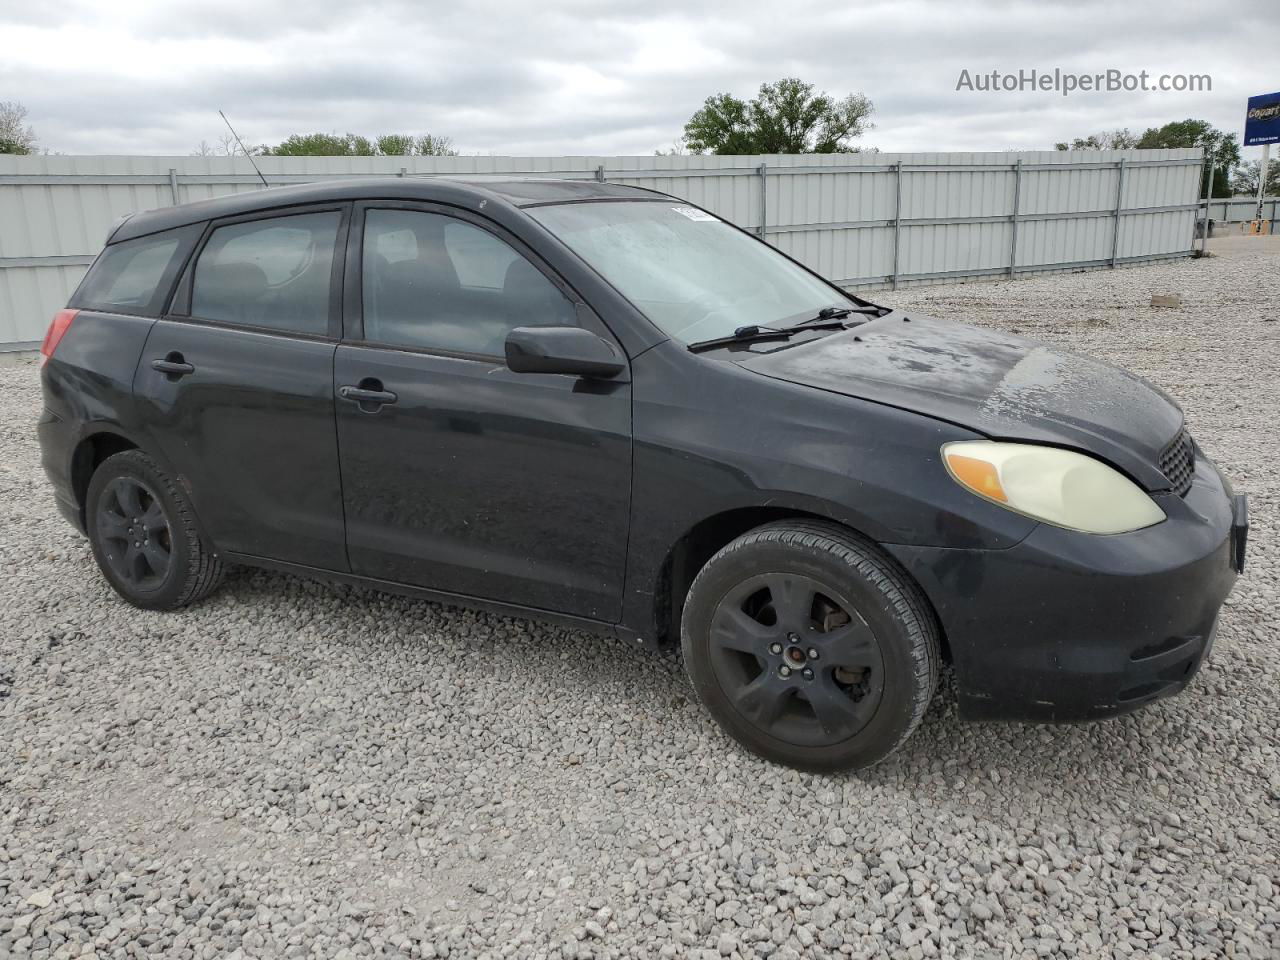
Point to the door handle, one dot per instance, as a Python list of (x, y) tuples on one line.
[(368, 394), (173, 366)]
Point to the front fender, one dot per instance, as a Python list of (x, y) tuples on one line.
[(712, 438)]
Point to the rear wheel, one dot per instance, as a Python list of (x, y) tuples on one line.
[(809, 646), (144, 536)]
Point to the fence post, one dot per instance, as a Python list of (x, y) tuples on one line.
[(763, 170), (897, 221), (173, 184), (1208, 196), (600, 173), (1115, 234), (1013, 233)]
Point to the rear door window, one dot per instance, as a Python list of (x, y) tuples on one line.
[(276, 272), (134, 276)]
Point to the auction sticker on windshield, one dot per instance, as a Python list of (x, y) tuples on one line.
[(693, 213)]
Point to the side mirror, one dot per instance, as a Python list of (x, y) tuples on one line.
[(569, 350)]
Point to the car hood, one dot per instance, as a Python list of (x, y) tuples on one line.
[(1004, 386)]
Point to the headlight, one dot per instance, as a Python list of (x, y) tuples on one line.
[(1057, 486)]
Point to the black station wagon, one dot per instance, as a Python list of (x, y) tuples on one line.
[(607, 406)]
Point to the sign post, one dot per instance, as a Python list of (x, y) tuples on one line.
[(1262, 179), (1262, 128)]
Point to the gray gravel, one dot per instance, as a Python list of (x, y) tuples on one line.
[(293, 769)]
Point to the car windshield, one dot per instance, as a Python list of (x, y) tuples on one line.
[(691, 273)]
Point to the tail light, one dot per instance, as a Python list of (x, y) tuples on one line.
[(57, 330)]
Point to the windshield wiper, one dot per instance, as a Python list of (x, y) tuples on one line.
[(755, 333), (828, 318), (835, 313)]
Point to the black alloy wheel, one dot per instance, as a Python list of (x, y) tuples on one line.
[(144, 534), (133, 529), (810, 646), (793, 655)]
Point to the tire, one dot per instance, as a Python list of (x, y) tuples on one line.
[(810, 647), (144, 535)]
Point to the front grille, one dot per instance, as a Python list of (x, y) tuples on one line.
[(1178, 462)]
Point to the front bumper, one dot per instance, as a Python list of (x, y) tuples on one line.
[(1067, 626)]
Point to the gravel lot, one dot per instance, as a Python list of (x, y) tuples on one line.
[(293, 769)]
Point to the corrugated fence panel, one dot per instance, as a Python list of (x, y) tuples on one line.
[(1239, 209), (1078, 240), (862, 219), (47, 288), (953, 248)]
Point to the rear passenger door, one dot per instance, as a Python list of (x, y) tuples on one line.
[(235, 384), (465, 477)]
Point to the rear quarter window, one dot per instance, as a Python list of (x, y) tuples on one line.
[(135, 276)]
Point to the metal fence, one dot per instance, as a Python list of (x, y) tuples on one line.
[(1241, 209), (864, 220)]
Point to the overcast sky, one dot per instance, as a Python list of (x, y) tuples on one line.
[(610, 77)]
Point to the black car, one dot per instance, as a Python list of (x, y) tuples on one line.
[(605, 406)]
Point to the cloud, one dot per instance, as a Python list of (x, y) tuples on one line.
[(600, 76)]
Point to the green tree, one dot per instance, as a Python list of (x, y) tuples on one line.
[(395, 145), (784, 117), (16, 135), (1121, 139), (1245, 180), (354, 145), (723, 125), (1180, 134), (428, 145), (1217, 144), (407, 145), (323, 145)]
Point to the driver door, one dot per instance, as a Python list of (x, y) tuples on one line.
[(468, 478)]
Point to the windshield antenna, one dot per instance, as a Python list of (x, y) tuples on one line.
[(246, 152)]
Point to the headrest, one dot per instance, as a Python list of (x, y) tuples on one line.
[(231, 281), (523, 280)]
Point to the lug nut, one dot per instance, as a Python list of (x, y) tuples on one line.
[(775, 648), (808, 674), (813, 653), (784, 671), (793, 637)]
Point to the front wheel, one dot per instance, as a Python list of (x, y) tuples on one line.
[(144, 536), (809, 646)]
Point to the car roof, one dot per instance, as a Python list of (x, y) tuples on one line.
[(461, 191)]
